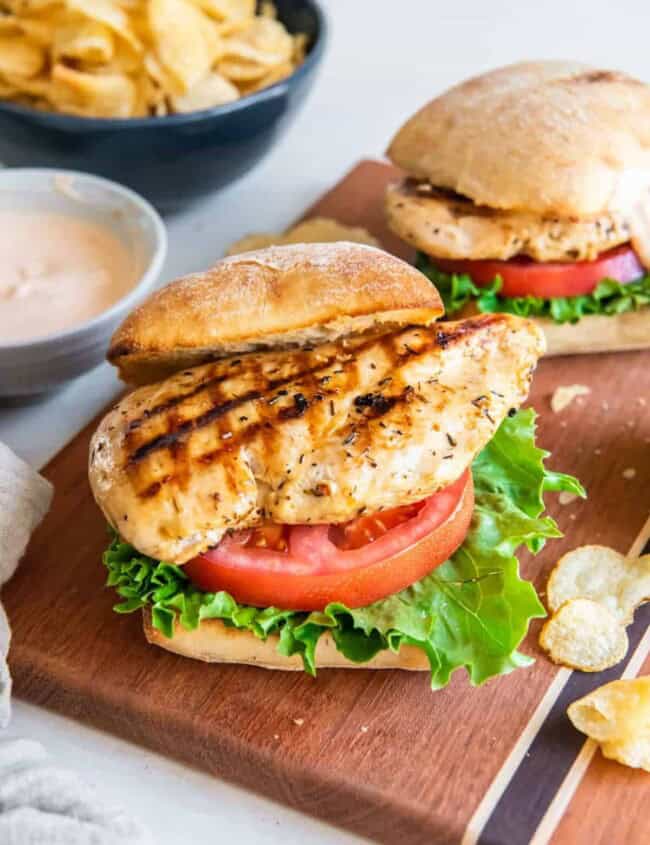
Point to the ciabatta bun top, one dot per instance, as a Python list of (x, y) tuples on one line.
[(555, 138), (277, 297)]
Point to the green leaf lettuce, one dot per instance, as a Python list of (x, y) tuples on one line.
[(608, 298), (472, 612)]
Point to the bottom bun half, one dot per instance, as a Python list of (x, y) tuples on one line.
[(599, 333), (214, 642), (595, 333)]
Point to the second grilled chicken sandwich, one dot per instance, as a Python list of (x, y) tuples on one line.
[(325, 475), (528, 192)]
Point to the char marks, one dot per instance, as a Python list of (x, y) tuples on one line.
[(274, 404), (176, 432), (463, 329)]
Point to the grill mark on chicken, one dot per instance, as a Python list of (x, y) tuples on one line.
[(300, 407), (309, 391), (444, 338), (376, 403), (167, 439), (170, 438), (154, 488), (174, 401), (218, 379)]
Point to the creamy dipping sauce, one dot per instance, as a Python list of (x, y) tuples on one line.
[(56, 272)]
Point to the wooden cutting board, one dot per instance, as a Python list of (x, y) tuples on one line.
[(377, 753)]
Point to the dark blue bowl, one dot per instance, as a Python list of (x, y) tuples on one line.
[(175, 159)]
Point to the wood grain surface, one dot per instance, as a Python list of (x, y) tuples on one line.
[(377, 753)]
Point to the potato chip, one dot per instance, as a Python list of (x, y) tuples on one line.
[(617, 717), (9, 24), (93, 95), (39, 31), (175, 25), (325, 230), (155, 70), (300, 45), (315, 230), (8, 91), (20, 57), (584, 635), (124, 60), (142, 105), (25, 7), (38, 86), (264, 42), (242, 72), (254, 241), (84, 41), (598, 573), (564, 395), (150, 96), (214, 90), (268, 10), (228, 28), (111, 15), (276, 74), (228, 10)]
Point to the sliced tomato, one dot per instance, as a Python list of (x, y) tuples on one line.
[(305, 567), (525, 277)]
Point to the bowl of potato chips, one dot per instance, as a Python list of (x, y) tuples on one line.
[(175, 98)]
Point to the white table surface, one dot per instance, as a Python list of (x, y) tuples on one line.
[(385, 58)]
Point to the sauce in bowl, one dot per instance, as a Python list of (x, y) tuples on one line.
[(58, 271)]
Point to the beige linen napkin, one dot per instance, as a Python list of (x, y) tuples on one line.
[(40, 803)]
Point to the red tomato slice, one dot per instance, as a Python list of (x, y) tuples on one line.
[(524, 277), (309, 566)]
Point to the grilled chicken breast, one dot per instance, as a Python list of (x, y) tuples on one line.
[(446, 225), (309, 436)]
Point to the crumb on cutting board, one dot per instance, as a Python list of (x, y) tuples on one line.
[(564, 395)]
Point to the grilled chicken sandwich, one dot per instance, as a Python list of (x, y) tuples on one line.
[(528, 192), (313, 471)]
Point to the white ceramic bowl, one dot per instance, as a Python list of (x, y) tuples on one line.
[(40, 365)]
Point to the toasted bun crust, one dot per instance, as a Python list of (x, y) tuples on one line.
[(271, 298), (214, 642), (595, 333), (549, 137)]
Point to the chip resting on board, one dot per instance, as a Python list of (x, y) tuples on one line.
[(599, 573), (315, 230), (564, 395), (617, 717), (584, 635)]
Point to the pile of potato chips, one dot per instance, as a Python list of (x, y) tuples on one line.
[(136, 58), (592, 594)]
